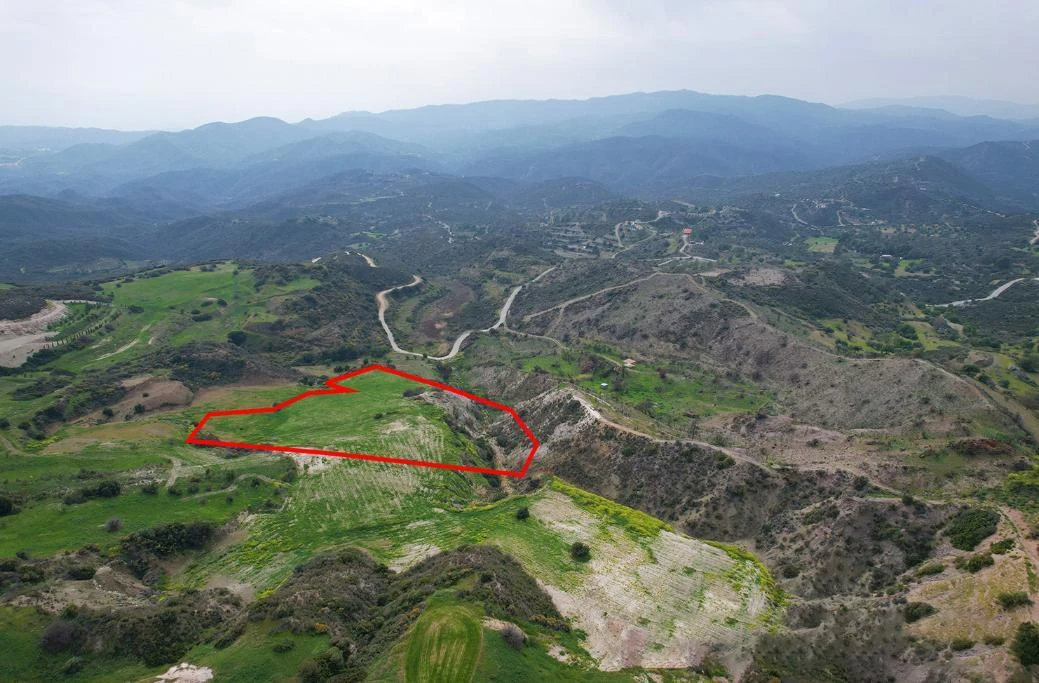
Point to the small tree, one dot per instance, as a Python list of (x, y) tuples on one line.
[(580, 551), (113, 525), (522, 513), (915, 611), (7, 506), (108, 489), (237, 337), (1026, 643), (1010, 600), (513, 636), (60, 635)]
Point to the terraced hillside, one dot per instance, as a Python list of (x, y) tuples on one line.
[(684, 597), (375, 413)]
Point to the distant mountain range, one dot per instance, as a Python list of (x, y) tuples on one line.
[(248, 183), (958, 106)]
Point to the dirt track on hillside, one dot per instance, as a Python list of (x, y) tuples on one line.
[(21, 338)]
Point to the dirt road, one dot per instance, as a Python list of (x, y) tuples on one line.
[(734, 453), (504, 314), (367, 259), (20, 338), (384, 303), (793, 212), (531, 316)]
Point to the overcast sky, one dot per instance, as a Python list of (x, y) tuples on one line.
[(135, 64)]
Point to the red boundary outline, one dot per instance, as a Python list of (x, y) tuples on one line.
[(336, 389)]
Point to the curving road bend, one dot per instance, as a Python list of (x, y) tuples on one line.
[(382, 298), (993, 295), (384, 303)]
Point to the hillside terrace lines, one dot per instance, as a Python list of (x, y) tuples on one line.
[(335, 388)]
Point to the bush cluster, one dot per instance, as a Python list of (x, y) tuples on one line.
[(970, 527)]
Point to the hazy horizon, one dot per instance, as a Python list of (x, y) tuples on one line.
[(184, 63), (850, 103)]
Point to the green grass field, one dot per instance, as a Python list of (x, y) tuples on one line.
[(252, 657), (50, 526), (178, 307), (152, 312), (133, 453), (444, 645), (532, 664), (376, 419), (24, 660), (821, 245)]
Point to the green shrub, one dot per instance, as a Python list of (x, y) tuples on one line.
[(1010, 600), (60, 635), (7, 506), (1026, 644), (915, 611), (28, 573), (81, 573), (1029, 363), (514, 637), (108, 489), (931, 569), (580, 551), (960, 644), (978, 562), (1002, 547), (522, 513), (169, 539), (971, 526)]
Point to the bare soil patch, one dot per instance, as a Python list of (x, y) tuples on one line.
[(21, 338), (762, 277)]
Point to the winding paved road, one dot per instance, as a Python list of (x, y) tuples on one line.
[(994, 294)]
